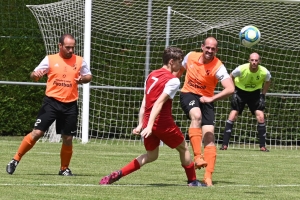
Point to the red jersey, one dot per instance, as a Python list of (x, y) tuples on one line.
[(157, 82)]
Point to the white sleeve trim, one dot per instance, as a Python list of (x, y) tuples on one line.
[(172, 87), (85, 70), (236, 72), (268, 76), (222, 73), (43, 65), (185, 60)]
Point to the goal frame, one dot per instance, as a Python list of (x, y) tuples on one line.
[(85, 130), (86, 87)]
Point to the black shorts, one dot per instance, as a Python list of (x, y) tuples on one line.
[(191, 100), (65, 115), (249, 98)]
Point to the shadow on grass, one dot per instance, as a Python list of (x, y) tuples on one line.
[(153, 185)]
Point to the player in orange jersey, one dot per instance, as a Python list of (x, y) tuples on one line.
[(203, 71), (65, 71), (156, 122)]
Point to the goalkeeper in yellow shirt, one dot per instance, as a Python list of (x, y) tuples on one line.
[(252, 82)]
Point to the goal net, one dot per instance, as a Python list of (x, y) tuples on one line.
[(120, 39)]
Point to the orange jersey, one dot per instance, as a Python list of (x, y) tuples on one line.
[(201, 78), (61, 84)]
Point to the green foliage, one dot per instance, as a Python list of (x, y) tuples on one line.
[(18, 57), (22, 48), (19, 108)]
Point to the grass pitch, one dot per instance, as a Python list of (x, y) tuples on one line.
[(239, 174)]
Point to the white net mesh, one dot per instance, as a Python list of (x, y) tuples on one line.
[(118, 54)]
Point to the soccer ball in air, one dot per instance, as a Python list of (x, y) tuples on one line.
[(249, 36)]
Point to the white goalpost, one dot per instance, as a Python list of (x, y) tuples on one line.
[(124, 40), (87, 58)]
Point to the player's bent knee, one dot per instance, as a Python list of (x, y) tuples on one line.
[(182, 147), (151, 158), (195, 114), (208, 138), (152, 155), (37, 134)]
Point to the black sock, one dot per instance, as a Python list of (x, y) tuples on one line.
[(227, 132), (261, 129)]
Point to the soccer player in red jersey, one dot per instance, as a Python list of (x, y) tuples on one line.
[(156, 122), (203, 72)]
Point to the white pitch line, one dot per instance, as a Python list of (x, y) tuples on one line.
[(173, 154), (144, 185)]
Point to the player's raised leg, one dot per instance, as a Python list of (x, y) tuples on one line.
[(195, 135), (27, 143), (131, 167)]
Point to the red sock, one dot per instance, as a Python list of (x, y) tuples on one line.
[(26, 144), (190, 172), (65, 156), (130, 167)]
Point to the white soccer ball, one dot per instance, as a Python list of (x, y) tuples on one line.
[(249, 36)]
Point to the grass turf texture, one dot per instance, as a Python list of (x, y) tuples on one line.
[(239, 174)]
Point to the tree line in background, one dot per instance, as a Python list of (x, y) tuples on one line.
[(23, 48)]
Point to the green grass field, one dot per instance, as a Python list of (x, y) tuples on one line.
[(239, 174)]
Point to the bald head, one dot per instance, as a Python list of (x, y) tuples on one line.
[(255, 56), (209, 48), (254, 60), (211, 40)]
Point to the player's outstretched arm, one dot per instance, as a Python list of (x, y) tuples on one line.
[(138, 129), (228, 90), (154, 112)]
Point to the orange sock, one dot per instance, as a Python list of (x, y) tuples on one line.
[(190, 172), (65, 156), (26, 144), (130, 167), (195, 135), (210, 155)]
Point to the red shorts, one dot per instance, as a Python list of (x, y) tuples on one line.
[(170, 135)]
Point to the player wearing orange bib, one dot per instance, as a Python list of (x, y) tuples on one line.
[(203, 71), (64, 71)]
